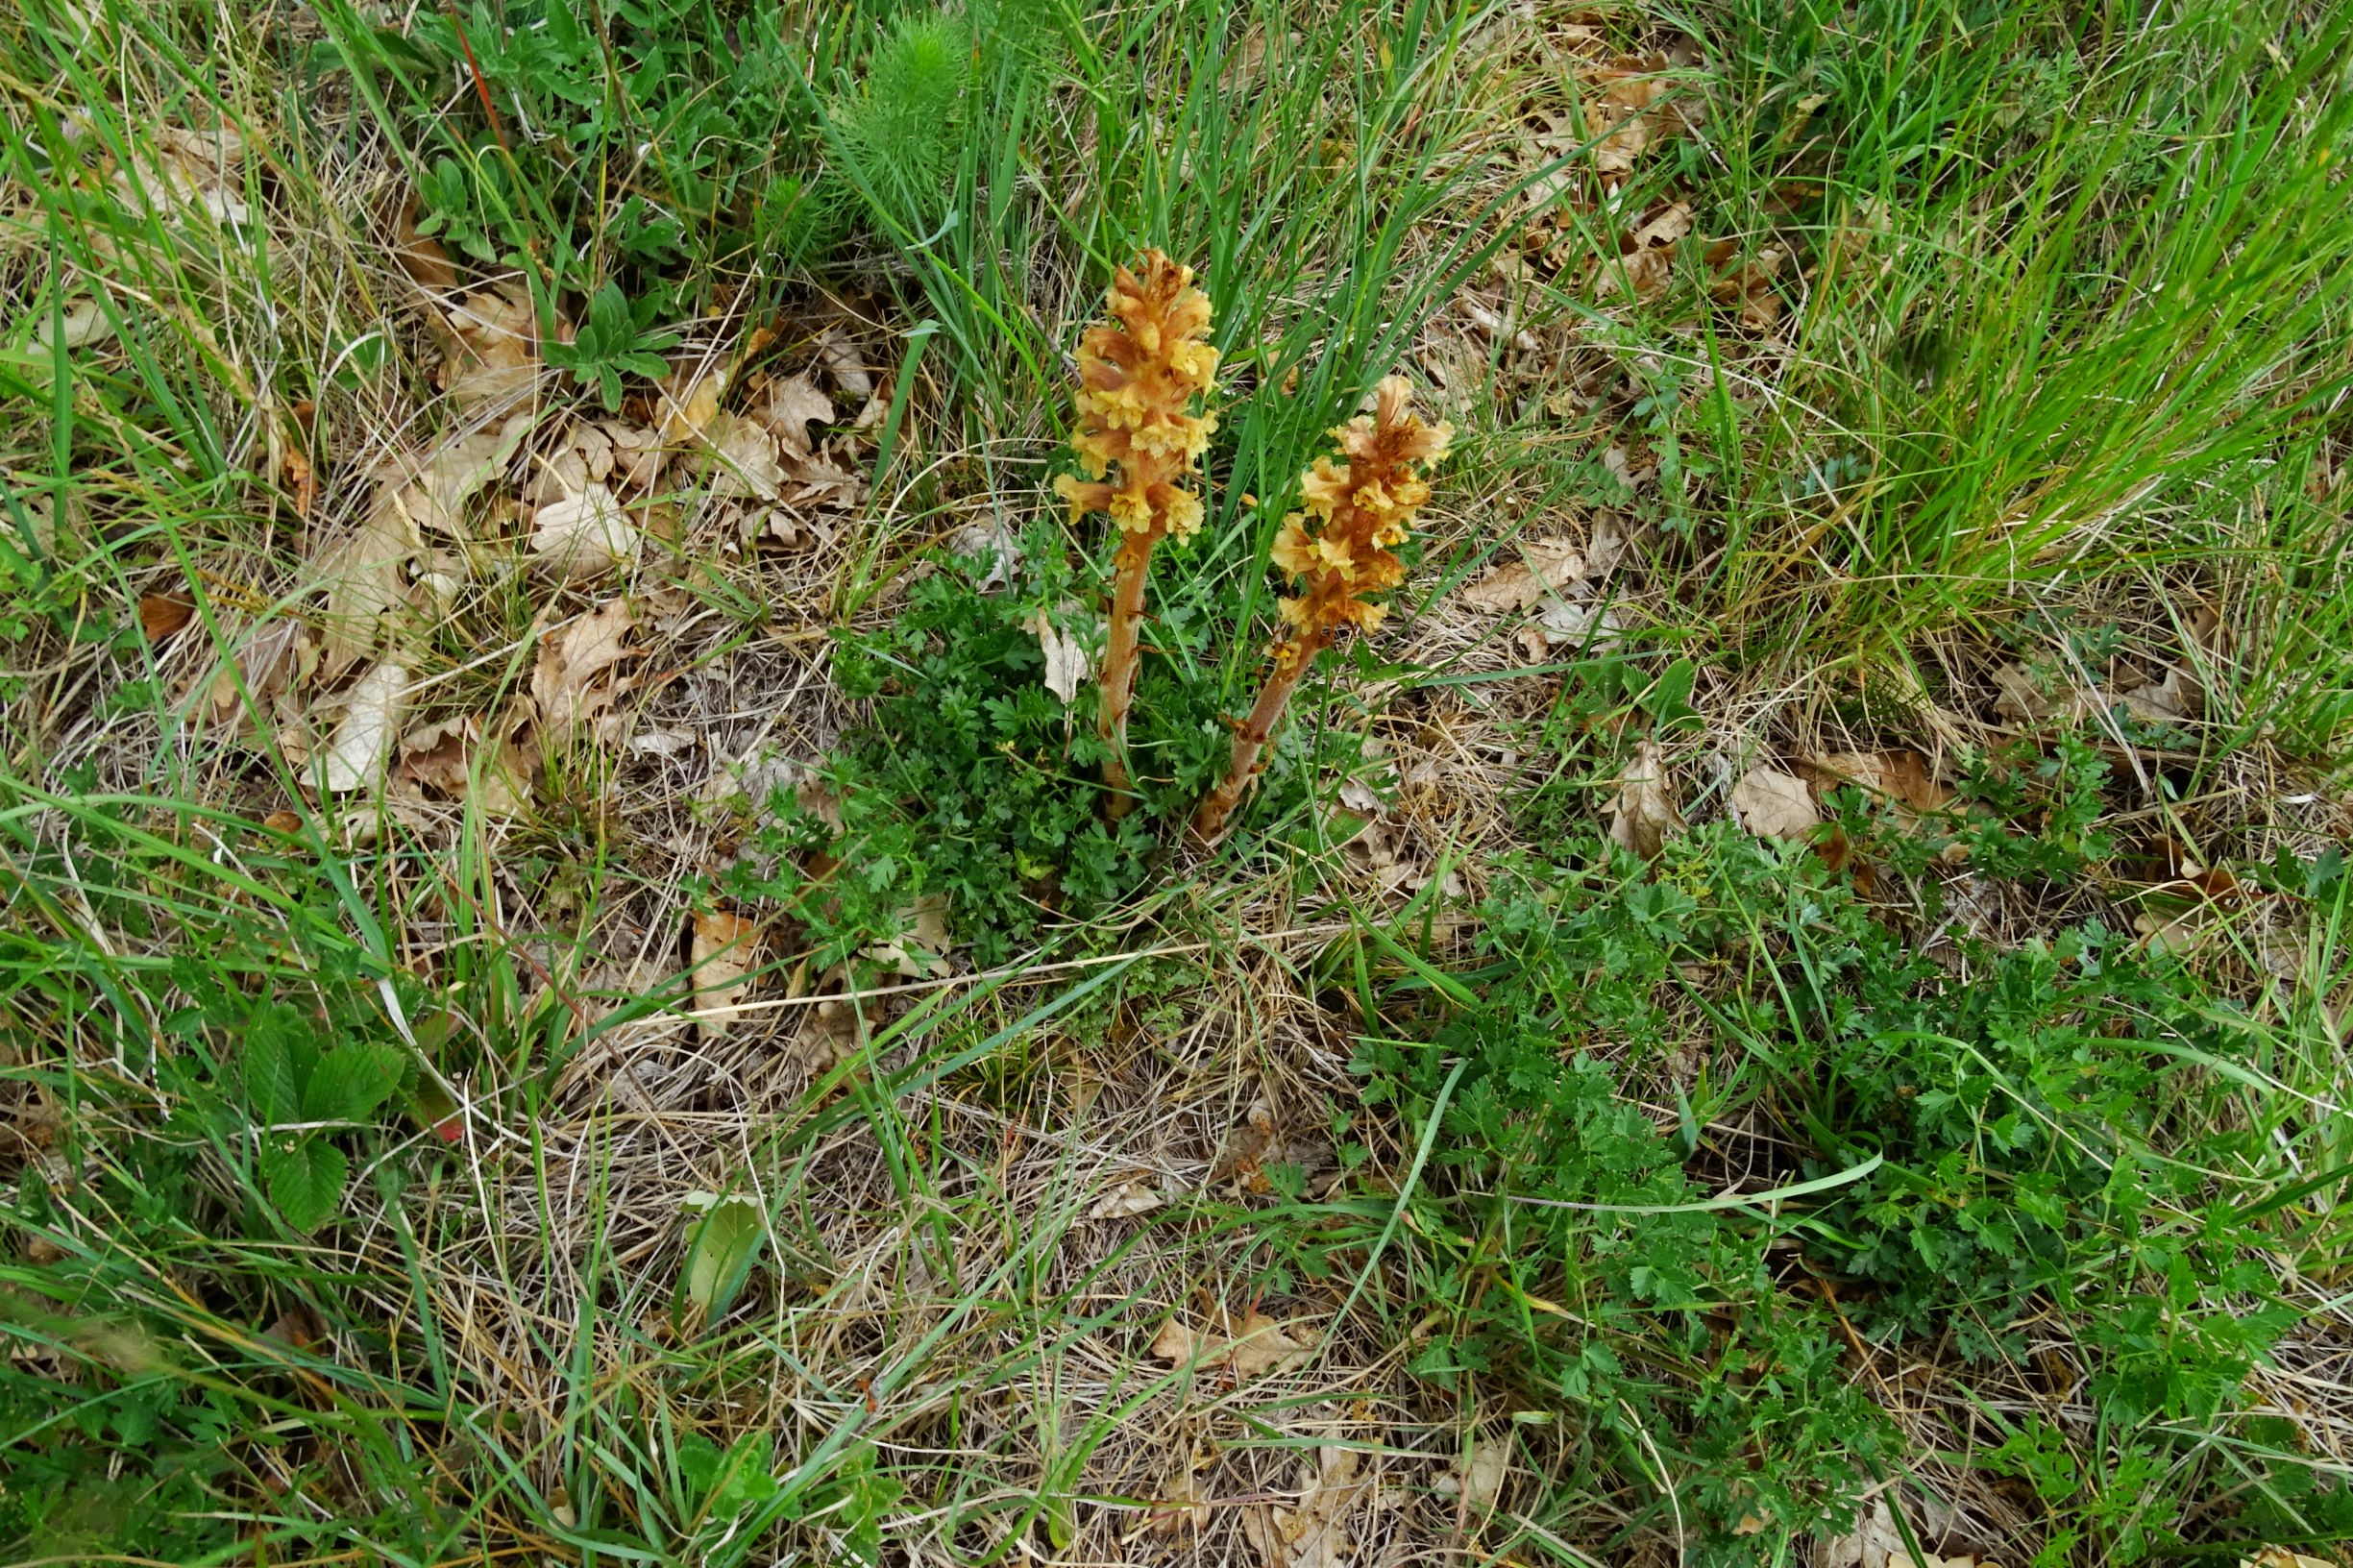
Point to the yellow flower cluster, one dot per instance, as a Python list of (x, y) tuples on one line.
[(1358, 511), (1138, 378)]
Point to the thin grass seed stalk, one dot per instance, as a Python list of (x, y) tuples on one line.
[(1342, 549), (1139, 441)]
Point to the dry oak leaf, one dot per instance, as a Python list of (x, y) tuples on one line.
[(1313, 1534), (1900, 777), (1479, 1475), (1773, 805), (2022, 697), (490, 348), (584, 536), (1589, 629), (443, 756), (163, 614), (1259, 1345), (1545, 567), (689, 397), (794, 404), (1876, 1541), (365, 574), (201, 168), (431, 492), (1263, 1345), (725, 948), (582, 457), (740, 458), (1127, 1199), (569, 682), (1643, 812), (842, 363), (356, 754), (1183, 1508), (273, 661)]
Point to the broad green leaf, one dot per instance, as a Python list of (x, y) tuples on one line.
[(351, 1081), (727, 1486), (306, 1178), (721, 1248), (271, 1080)]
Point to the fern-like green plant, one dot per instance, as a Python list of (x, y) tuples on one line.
[(894, 138)]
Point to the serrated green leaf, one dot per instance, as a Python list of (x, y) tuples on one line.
[(306, 1178), (351, 1081), (273, 1082)]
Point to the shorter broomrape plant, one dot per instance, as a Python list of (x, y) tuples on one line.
[(1138, 378), (1343, 549)]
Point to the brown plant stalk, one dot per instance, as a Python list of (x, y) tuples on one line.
[(1138, 440), (1342, 550)]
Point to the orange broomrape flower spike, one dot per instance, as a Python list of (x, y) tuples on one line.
[(1139, 442), (1359, 510)]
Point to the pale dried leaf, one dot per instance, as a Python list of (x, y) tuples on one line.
[(725, 947), (490, 344), (569, 683), (1313, 1534), (2279, 1557), (1608, 541), (1183, 1508), (355, 755), (275, 659), (366, 578), (741, 460), (843, 363), (2168, 702), (1066, 664), (1127, 1199), (793, 406), (1664, 227), (1263, 1345), (1876, 1541), (1479, 1475), (432, 492), (1644, 813), (638, 456), (444, 756), (1773, 805), (196, 169), (1900, 777), (823, 482), (1546, 566), (1504, 590), (583, 456), (583, 536), (1175, 1342), (689, 397)]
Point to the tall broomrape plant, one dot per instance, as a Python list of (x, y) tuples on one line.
[(1343, 548), (1138, 441)]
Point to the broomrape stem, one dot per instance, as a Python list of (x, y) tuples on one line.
[(1252, 735), (1130, 566)]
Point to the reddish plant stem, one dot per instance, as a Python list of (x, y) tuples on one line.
[(1251, 737), (1131, 566)]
